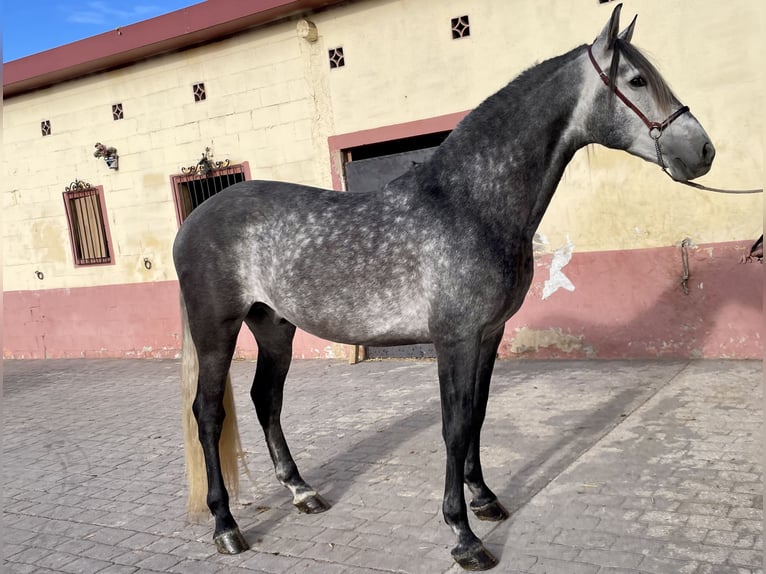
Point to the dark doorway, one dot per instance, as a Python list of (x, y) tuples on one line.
[(369, 168)]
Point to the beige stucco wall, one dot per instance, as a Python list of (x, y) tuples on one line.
[(709, 51), (257, 110), (273, 101)]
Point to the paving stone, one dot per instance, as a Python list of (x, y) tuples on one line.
[(19, 568), (336, 536), (331, 552), (103, 552), (676, 533), (192, 567), (32, 555), (750, 558), (119, 569), (110, 536), (585, 539), (705, 509), (312, 567), (55, 561), (550, 550), (651, 503), (552, 566), (194, 550), (138, 541), (664, 517), (725, 569), (643, 546), (85, 566), (15, 568), (657, 565), (699, 552), (272, 563), (711, 522), (755, 513), (391, 561), (611, 558), (749, 526), (729, 538), (159, 562)]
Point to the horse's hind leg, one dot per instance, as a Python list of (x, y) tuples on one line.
[(214, 351), (275, 338), (484, 504)]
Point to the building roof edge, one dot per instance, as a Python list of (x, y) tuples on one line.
[(194, 25)]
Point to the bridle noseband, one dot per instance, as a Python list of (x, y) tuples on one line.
[(656, 129)]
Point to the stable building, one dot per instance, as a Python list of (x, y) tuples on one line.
[(110, 142)]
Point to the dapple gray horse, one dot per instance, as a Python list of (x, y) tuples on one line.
[(442, 254)]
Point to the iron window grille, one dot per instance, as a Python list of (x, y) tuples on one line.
[(194, 186), (45, 127), (117, 113), (88, 224)]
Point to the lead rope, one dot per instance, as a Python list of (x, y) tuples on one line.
[(715, 189)]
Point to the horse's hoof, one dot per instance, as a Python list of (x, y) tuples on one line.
[(312, 504), (231, 542), (474, 558), (493, 511)]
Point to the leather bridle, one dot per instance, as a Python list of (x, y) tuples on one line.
[(656, 129)]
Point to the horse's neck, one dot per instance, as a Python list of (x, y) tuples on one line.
[(505, 160)]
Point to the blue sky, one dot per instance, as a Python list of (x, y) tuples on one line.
[(31, 26)]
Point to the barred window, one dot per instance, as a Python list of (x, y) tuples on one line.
[(201, 182), (88, 224)]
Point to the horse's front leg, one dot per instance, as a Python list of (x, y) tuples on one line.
[(458, 361), (484, 504)]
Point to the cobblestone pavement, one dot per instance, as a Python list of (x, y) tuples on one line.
[(609, 467)]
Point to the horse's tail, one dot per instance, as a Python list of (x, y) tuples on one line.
[(230, 447)]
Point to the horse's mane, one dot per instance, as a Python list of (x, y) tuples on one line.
[(654, 81)]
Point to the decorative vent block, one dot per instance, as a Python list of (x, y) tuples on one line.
[(199, 92), (117, 112), (336, 58), (460, 27), (45, 127)]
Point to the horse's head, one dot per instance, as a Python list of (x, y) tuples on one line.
[(635, 110)]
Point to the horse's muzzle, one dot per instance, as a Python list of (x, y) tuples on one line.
[(687, 168)]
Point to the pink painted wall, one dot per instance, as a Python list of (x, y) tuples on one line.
[(626, 304), (630, 304), (139, 320)]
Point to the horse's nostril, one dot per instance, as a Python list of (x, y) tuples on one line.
[(708, 152)]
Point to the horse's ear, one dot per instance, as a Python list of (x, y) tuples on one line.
[(609, 33), (627, 33)]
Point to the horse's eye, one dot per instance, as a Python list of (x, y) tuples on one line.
[(638, 82)]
